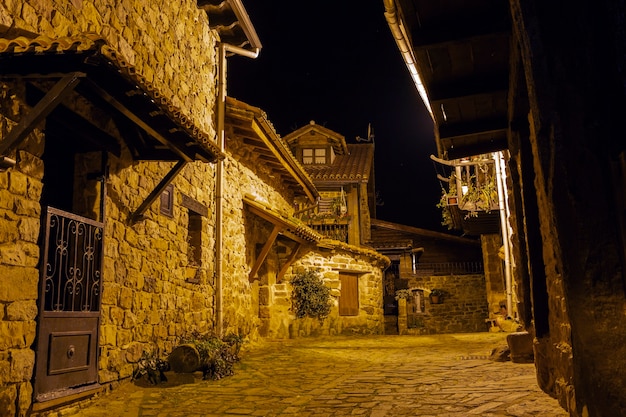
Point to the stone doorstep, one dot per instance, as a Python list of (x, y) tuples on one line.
[(66, 400), (521, 346)]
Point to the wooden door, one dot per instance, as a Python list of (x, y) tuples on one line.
[(349, 296), (69, 306)]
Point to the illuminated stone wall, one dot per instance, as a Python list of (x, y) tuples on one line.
[(494, 274), (20, 190), (280, 322), (263, 307), (147, 301), (172, 47), (463, 307)]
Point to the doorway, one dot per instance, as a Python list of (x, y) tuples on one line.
[(72, 242)]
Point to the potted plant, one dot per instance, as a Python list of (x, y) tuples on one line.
[(436, 296), (402, 294)]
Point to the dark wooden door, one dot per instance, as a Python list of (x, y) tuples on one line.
[(349, 297), (69, 309)]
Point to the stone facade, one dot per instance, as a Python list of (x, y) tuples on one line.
[(494, 274), (567, 157), (147, 303), (20, 189), (159, 277), (330, 263), (462, 308), (268, 296)]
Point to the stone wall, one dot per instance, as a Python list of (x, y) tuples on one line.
[(263, 307), (570, 141), (246, 234), (494, 273), (279, 320), (20, 190), (464, 307), (172, 47), (147, 302)]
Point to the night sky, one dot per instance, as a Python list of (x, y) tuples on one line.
[(336, 62)]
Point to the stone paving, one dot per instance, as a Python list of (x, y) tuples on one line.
[(443, 375)]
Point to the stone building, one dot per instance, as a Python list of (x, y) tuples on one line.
[(109, 148), (138, 205), (279, 244), (542, 83), (344, 174), (423, 261)]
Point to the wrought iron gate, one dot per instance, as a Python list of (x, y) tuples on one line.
[(69, 310)]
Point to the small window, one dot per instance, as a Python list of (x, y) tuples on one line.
[(307, 156), (167, 201), (349, 295), (320, 156), (314, 156), (194, 240)]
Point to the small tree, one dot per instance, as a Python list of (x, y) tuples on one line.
[(310, 297)]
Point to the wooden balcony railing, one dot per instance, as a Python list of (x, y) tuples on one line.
[(336, 229)]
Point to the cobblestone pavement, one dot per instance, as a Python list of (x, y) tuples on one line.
[(443, 375)]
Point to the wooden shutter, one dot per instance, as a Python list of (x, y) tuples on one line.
[(349, 297)]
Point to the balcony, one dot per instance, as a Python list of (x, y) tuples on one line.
[(329, 225), (449, 268)]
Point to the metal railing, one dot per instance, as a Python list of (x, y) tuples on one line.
[(336, 231), (449, 268), (72, 272)]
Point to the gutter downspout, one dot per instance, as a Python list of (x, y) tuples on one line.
[(399, 34), (497, 156), (223, 49)]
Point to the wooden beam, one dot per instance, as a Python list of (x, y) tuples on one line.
[(461, 25), (495, 83), (52, 99), (462, 151), (459, 130), (264, 252), (288, 263), (137, 120), (138, 214)]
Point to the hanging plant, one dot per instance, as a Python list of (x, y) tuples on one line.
[(402, 294), (310, 297), (446, 214)]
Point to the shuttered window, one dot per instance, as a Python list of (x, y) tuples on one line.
[(349, 297)]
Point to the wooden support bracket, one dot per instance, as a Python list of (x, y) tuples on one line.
[(264, 252), (52, 99), (138, 214)]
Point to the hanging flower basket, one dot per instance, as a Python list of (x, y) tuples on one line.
[(436, 296)]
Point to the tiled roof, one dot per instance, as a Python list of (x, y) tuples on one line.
[(230, 19), (284, 220), (337, 141), (253, 127), (110, 71), (355, 166)]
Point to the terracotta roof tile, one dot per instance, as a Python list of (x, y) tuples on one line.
[(353, 167), (79, 53)]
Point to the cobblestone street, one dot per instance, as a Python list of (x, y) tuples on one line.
[(443, 375)]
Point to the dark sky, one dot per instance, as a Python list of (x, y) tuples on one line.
[(336, 62)]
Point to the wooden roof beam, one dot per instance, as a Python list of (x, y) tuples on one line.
[(460, 130), (465, 25), (264, 252), (48, 103), (493, 83)]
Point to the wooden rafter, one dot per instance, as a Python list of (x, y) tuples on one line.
[(48, 103), (264, 252)]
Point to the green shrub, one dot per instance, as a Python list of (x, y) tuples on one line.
[(310, 297), (217, 356), (152, 366)]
